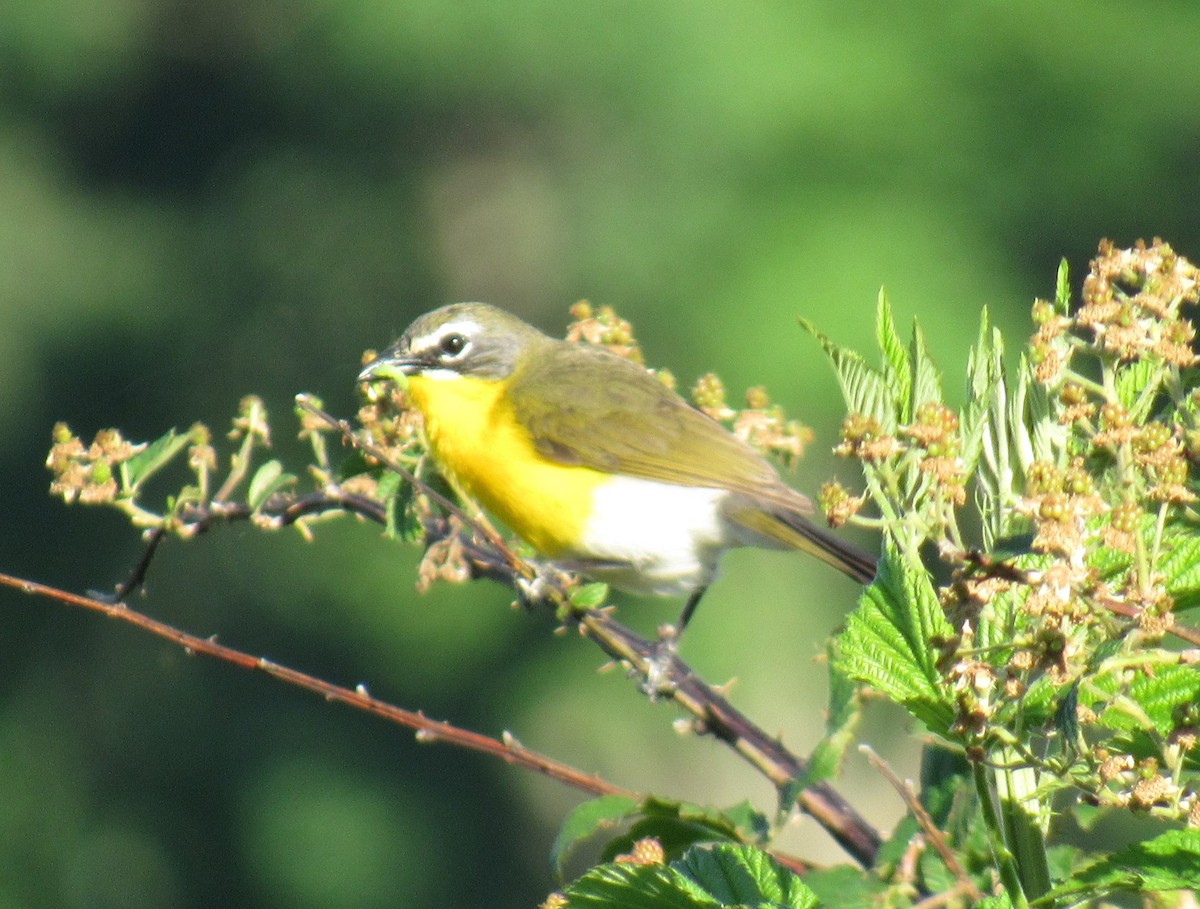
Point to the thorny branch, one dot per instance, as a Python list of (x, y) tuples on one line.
[(507, 749)]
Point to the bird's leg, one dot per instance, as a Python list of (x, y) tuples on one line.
[(689, 609)]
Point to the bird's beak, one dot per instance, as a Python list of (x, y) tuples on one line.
[(389, 365)]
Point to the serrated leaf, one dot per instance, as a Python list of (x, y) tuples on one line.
[(1047, 434), (1158, 695), (396, 495), (897, 366), (986, 445), (1178, 564), (1137, 384), (890, 640), (267, 480), (745, 876), (1170, 861), (614, 886), (927, 381), (863, 387), (1021, 438), (985, 373), (150, 459), (1180, 568), (586, 821)]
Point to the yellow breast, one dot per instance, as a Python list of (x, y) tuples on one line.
[(474, 435)]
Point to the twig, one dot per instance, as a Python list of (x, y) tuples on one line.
[(1007, 570), (137, 577), (428, 730), (935, 836)]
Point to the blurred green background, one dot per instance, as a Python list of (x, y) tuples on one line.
[(200, 200)]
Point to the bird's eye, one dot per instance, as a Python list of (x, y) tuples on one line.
[(453, 345)]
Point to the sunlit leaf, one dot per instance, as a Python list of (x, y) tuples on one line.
[(890, 642), (927, 381), (150, 459), (897, 365), (585, 821), (864, 388), (267, 480), (745, 876), (1062, 288), (1169, 861)]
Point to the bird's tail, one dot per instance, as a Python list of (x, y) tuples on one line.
[(789, 528), (853, 561)]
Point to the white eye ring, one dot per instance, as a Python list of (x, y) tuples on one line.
[(453, 345)]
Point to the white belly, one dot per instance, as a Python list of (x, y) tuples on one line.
[(654, 538)]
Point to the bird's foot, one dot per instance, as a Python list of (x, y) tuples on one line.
[(660, 665)]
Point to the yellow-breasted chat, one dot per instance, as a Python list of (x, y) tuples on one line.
[(591, 460)]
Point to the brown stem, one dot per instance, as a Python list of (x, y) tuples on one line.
[(427, 730)]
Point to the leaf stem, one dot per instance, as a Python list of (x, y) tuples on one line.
[(1005, 862)]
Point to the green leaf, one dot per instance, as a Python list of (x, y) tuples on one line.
[(890, 642), (986, 445), (896, 847), (1178, 563), (846, 887), (586, 821), (267, 480), (679, 826), (1047, 435), (400, 522), (1036, 432), (1137, 385), (946, 776), (745, 876), (636, 887), (751, 824), (589, 596), (721, 875), (1062, 289), (1159, 695), (863, 387), (897, 366), (355, 463), (1180, 567), (985, 372), (1170, 861), (150, 459), (927, 381)]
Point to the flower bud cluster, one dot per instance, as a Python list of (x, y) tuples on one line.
[(87, 473), (1132, 300), (935, 434), (602, 327)]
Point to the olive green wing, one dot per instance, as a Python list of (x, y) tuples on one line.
[(589, 407)]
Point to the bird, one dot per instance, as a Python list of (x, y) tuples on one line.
[(594, 462)]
